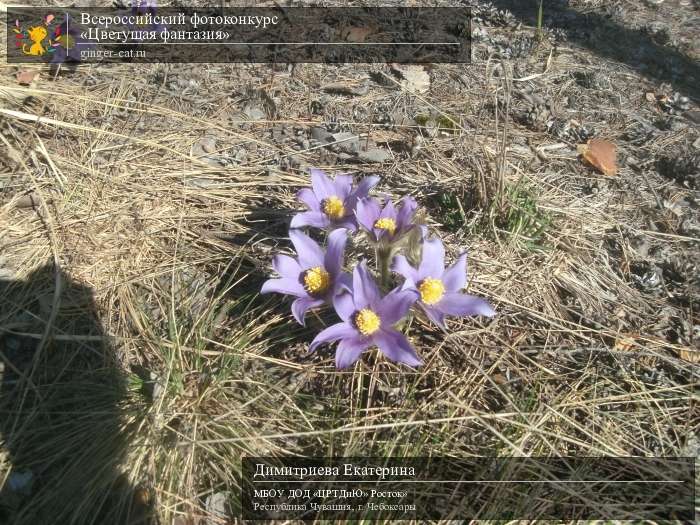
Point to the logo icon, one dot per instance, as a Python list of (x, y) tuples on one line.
[(36, 35)]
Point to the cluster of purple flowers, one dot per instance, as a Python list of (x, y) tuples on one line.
[(369, 315)]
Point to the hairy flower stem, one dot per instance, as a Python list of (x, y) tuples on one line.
[(366, 390), (383, 263)]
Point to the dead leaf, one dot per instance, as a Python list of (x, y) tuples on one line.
[(624, 344), (356, 34), (30, 200), (415, 78), (142, 497), (26, 77), (340, 88), (690, 355), (601, 154), (499, 379)]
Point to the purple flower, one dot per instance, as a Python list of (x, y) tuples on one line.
[(314, 277), (439, 288), (368, 320), (148, 10), (388, 222), (331, 202)]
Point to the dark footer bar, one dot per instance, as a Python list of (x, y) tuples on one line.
[(474, 488)]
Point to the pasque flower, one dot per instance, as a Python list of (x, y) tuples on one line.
[(332, 202), (144, 7), (388, 222), (439, 288), (314, 277), (368, 319)]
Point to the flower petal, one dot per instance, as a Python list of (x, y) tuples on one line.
[(395, 305), (342, 185), (349, 350), (301, 305), (367, 212), (322, 184), (333, 260), (285, 286), (286, 266), (344, 305), (401, 266), (365, 184), (349, 223), (462, 305), (343, 283), (316, 219), (432, 262), (396, 347), (434, 315), (333, 333), (404, 217), (309, 252), (389, 210), (456, 275), (364, 288), (409, 284), (308, 197)]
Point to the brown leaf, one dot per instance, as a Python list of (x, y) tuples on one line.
[(624, 344), (26, 77), (30, 200), (601, 154), (499, 379), (356, 34)]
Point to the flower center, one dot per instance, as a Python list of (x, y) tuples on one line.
[(387, 224), (367, 321), (431, 290), (333, 207), (316, 280)]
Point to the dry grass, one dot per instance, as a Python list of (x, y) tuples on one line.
[(201, 370)]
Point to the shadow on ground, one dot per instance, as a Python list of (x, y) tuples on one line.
[(63, 432), (611, 40)]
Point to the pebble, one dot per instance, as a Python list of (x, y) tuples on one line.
[(208, 144)]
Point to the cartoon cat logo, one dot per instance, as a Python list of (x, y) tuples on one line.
[(36, 36)]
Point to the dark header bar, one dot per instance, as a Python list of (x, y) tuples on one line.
[(563, 488), (215, 34)]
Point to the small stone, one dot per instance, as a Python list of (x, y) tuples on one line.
[(217, 506), (208, 144), (346, 142), (374, 155), (202, 183), (254, 113), (321, 135), (241, 156)]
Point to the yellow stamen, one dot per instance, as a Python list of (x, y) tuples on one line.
[(387, 224), (431, 290), (316, 280), (333, 207), (367, 321)]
